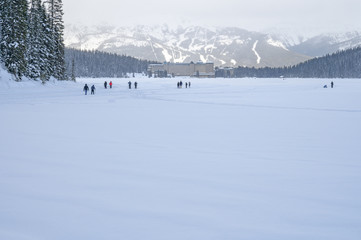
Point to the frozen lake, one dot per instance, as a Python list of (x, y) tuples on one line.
[(225, 159)]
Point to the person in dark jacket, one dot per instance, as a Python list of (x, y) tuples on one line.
[(331, 84), (135, 85), (130, 84), (189, 84), (86, 89), (105, 84), (92, 90)]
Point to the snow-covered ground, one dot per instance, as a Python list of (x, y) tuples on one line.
[(225, 159)]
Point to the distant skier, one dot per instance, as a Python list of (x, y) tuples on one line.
[(105, 84), (177, 84), (130, 84), (331, 84), (180, 84), (135, 85), (86, 89), (189, 84), (92, 90), (186, 85), (110, 84)]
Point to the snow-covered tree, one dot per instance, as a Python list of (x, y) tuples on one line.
[(2, 5), (73, 70), (55, 11), (35, 55), (13, 36), (48, 47), (40, 53)]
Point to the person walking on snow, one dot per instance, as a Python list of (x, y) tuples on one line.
[(105, 84), (92, 90), (135, 85), (110, 84), (331, 84), (85, 89), (130, 84)]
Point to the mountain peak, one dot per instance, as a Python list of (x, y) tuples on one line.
[(225, 46)]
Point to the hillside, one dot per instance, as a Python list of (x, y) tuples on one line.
[(102, 64), (342, 64), (223, 46)]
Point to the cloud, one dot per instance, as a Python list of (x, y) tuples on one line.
[(249, 14)]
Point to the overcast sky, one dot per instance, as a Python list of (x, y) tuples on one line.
[(255, 15)]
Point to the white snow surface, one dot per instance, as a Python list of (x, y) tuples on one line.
[(256, 53), (225, 159)]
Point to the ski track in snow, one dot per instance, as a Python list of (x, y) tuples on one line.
[(256, 53), (255, 106), (153, 96)]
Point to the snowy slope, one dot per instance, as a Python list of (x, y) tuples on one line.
[(223, 46), (5, 77), (225, 159), (323, 44), (316, 44)]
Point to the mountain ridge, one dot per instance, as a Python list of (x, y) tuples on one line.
[(226, 46)]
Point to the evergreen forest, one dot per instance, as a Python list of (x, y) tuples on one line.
[(342, 64), (95, 64), (31, 39)]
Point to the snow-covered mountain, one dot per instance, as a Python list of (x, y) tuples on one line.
[(223, 46), (327, 43), (315, 42)]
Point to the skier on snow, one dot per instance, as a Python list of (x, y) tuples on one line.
[(105, 84), (110, 84), (92, 90)]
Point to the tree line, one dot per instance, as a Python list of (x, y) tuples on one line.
[(85, 63), (342, 64), (31, 39)]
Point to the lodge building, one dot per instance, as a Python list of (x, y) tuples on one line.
[(199, 69)]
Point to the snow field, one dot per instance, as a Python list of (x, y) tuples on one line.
[(225, 159)]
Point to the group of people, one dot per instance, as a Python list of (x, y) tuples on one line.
[(86, 89), (180, 84), (325, 86), (106, 84), (130, 85), (92, 88)]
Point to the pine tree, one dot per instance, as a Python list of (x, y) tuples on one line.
[(34, 47), (73, 70), (47, 45), (2, 6), (55, 11), (14, 33)]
